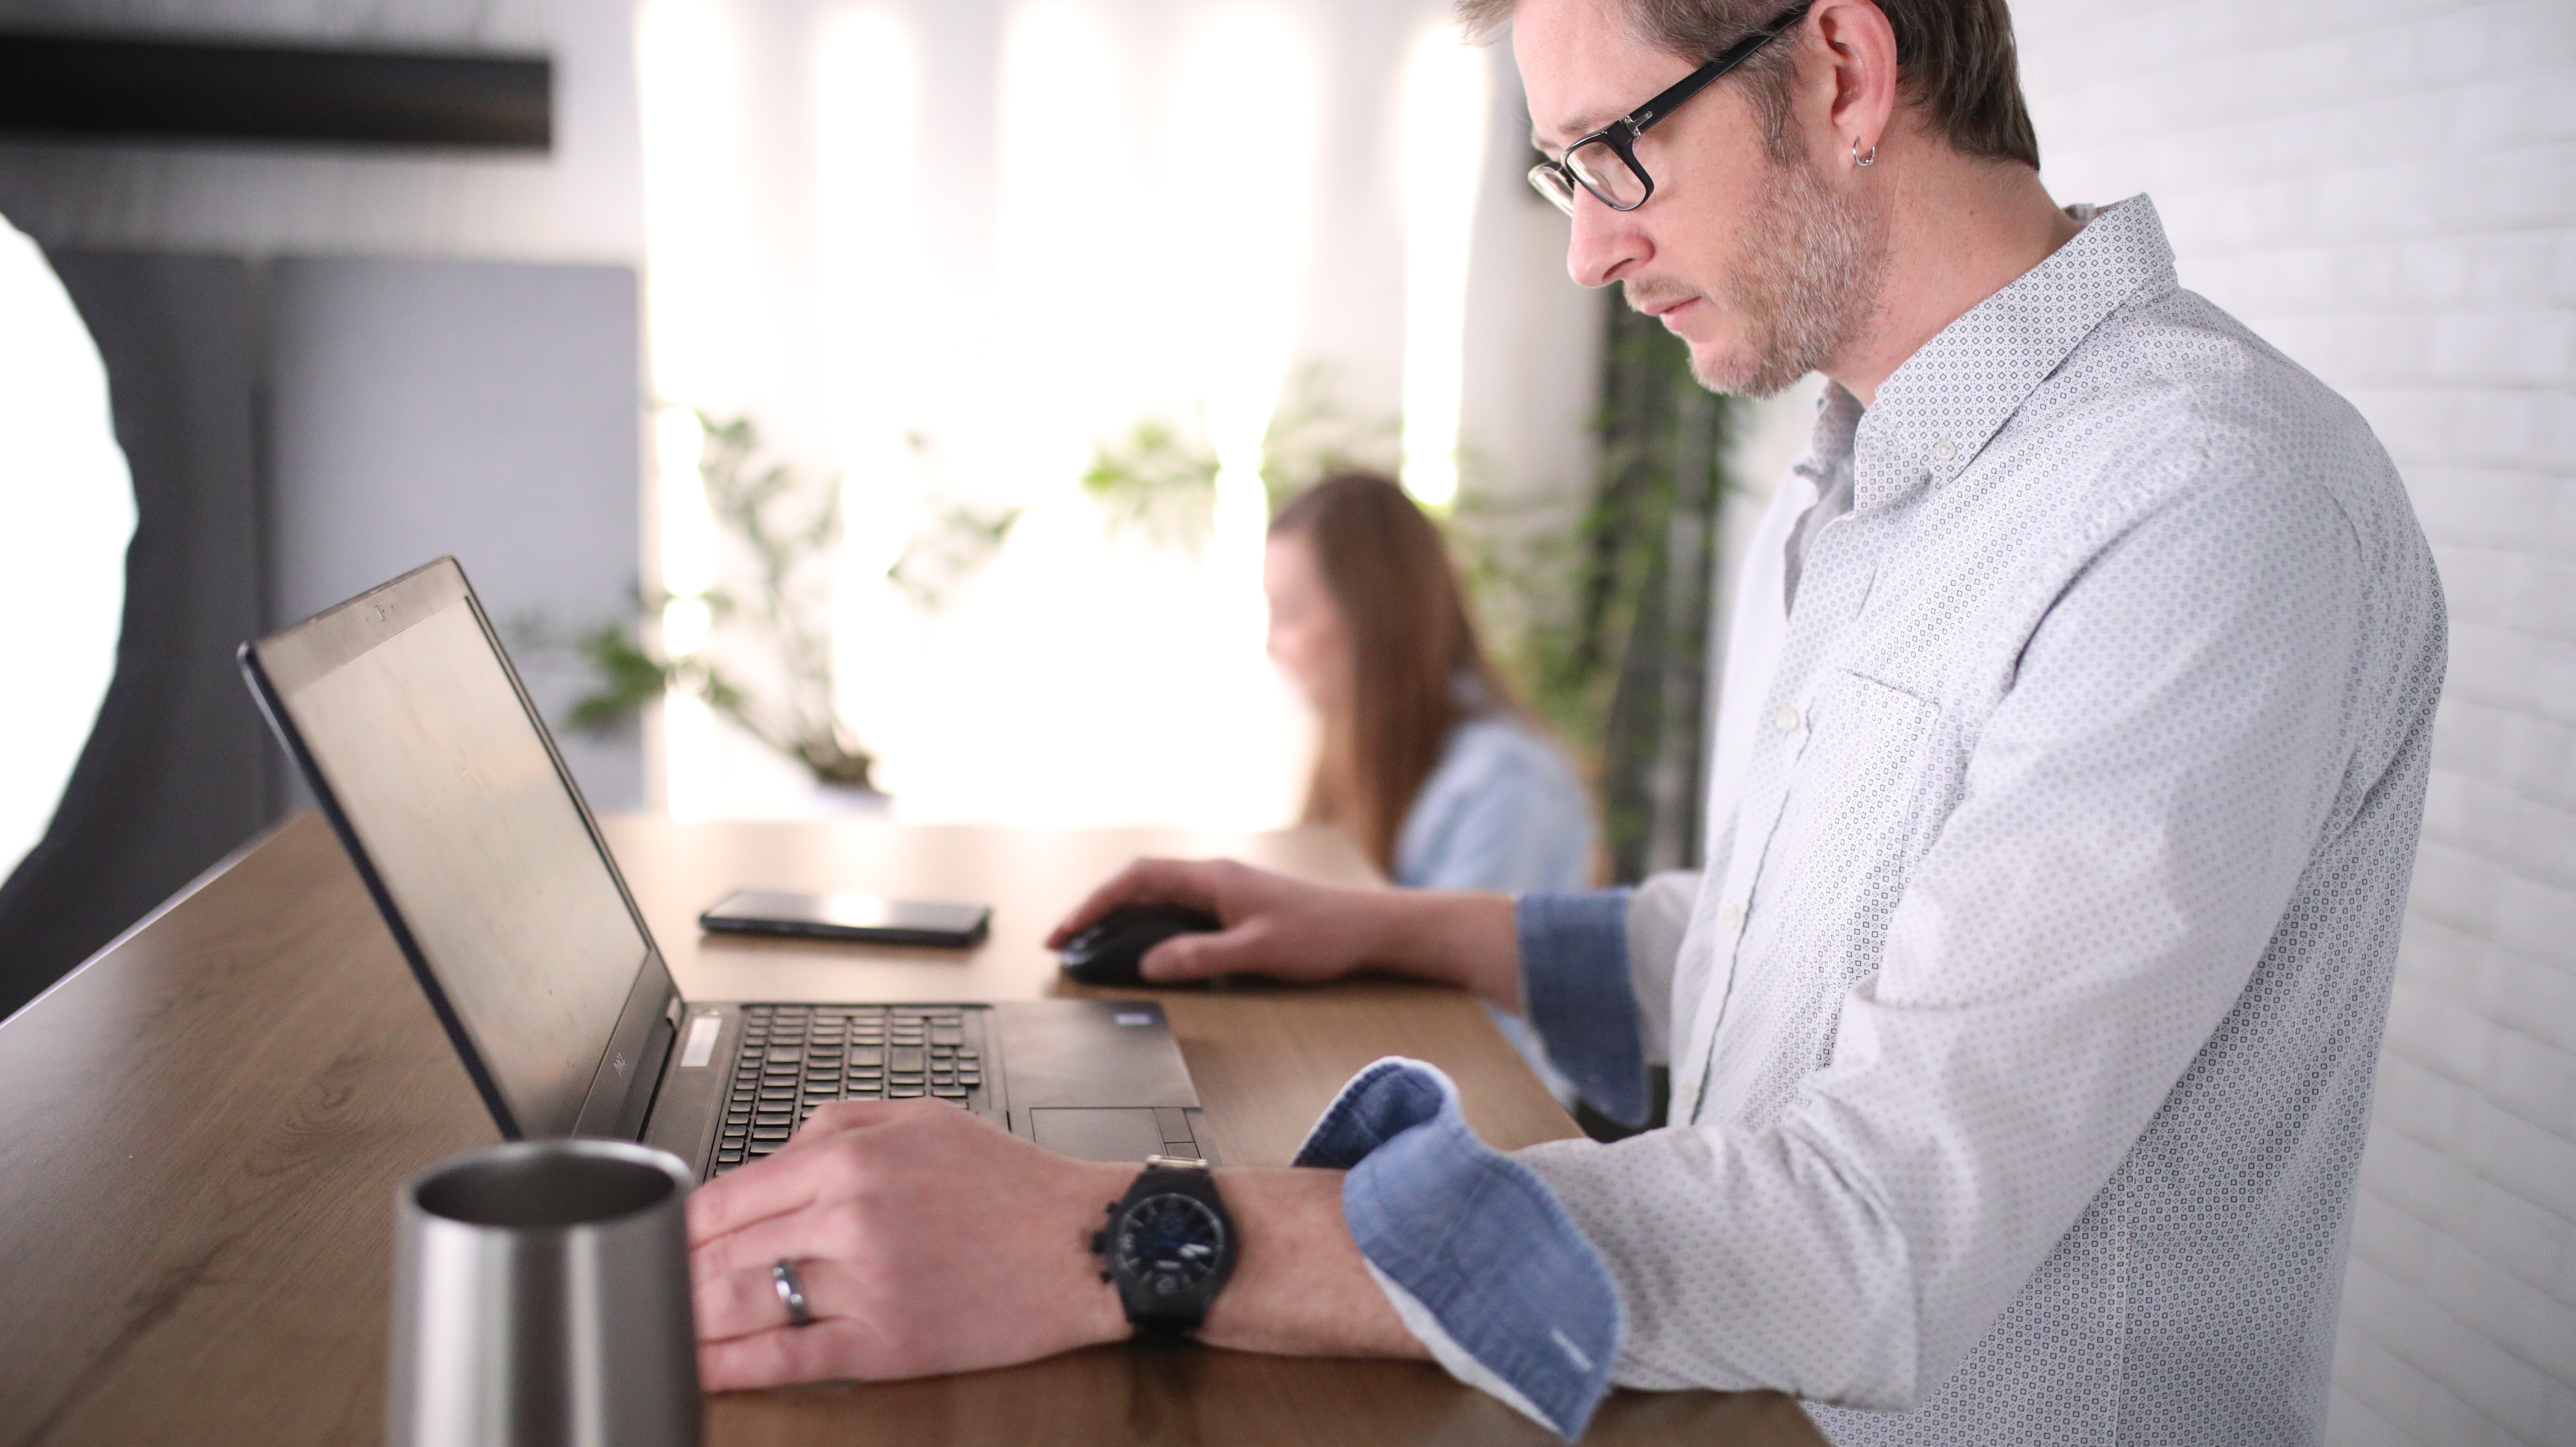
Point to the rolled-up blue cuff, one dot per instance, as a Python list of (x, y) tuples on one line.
[(1474, 1237), (1574, 984)]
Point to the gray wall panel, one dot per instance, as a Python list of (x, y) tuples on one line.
[(489, 410)]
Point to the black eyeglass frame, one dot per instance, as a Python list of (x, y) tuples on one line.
[(1621, 135)]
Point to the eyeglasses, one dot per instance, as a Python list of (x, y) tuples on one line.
[(1605, 162)]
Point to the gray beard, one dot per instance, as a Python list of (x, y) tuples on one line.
[(1806, 283)]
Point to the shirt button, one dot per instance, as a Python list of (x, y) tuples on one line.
[(1733, 915), (1786, 720), (1945, 449)]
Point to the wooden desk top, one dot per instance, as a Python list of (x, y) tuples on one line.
[(206, 1126)]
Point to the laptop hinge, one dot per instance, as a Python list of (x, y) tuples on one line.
[(630, 1069), (648, 1076)]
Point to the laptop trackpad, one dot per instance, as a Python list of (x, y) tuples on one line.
[(1099, 1133)]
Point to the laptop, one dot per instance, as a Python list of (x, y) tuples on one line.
[(430, 760)]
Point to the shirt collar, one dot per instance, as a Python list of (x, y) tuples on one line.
[(1948, 399), (1829, 444)]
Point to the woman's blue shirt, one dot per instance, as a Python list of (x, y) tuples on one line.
[(1502, 811)]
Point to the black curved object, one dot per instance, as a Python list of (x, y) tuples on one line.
[(1112, 950), (162, 90)]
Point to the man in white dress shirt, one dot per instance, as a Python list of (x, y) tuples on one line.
[(2071, 758)]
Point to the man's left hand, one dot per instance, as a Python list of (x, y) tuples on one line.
[(926, 1240)]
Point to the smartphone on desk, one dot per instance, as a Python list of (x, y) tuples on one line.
[(860, 917)]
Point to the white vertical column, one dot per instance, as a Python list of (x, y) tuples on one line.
[(1067, 348), (867, 122), (1239, 179), (1239, 193), (1442, 151), (698, 257)]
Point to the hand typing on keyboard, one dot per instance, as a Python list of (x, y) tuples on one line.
[(795, 1059), (930, 1240)]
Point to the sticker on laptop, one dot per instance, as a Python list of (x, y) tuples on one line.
[(701, 1045)]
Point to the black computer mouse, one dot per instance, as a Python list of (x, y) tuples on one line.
[(1109, 952)]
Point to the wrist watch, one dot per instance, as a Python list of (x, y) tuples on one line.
[(1169, 1246)]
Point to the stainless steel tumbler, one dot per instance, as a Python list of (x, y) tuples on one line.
[(541, 1299)]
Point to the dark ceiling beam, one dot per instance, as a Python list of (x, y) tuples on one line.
[(91, 87)]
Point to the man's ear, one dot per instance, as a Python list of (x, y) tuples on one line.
[(1861, 47)]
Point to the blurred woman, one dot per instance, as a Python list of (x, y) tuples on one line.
[(1427, 761)]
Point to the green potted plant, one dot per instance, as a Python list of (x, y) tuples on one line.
[(766, 662)]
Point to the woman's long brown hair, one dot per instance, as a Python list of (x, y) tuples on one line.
[(1411, 643)]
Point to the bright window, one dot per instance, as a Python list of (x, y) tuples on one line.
[(66, 515), (947, 261)]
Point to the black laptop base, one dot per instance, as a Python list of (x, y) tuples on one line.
[(1097, 1080)]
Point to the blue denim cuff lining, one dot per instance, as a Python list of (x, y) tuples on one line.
[(1574, 981), (1474, 1235)]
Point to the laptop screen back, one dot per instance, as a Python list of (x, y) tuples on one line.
[(443, 775)]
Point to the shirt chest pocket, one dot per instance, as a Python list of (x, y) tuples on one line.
[(1839, 857), (1858, 801)]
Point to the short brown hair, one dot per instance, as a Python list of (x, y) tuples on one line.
[(1954, 59), (1412, 648)]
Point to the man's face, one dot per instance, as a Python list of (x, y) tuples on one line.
[(1767, 269)]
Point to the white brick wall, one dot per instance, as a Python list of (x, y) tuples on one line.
[(2387, 190)]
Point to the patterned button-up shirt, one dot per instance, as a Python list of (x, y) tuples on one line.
[(2022, 1026)]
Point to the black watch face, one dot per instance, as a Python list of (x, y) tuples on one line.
[(1169, 1244)]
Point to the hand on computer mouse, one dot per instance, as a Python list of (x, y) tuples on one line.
[(1110, 950), (1289, 929), (1267, 924)]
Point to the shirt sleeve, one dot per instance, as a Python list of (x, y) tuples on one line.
[(1596, 983), (1575, 991), (1477, 1256), (2136, 815), (1659, 914)]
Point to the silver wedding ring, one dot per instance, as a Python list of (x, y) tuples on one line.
[(791, 1293)]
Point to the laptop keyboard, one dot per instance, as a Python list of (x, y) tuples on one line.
[(795, 1058)]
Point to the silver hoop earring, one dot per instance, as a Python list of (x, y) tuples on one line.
[(1860, 160)]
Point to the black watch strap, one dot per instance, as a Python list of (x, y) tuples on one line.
[(1159, 1307)]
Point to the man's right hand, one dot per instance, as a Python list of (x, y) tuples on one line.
[(1290, 929), (1277, 926)]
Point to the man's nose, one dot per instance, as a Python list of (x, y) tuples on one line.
[(1605, 245)]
